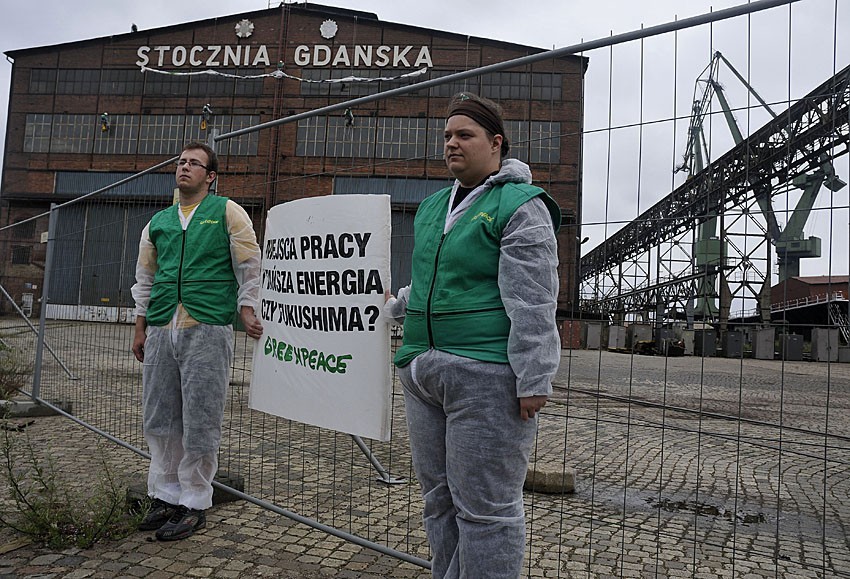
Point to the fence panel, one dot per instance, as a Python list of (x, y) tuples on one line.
[(719, 463)]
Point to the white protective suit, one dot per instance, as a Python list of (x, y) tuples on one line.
[(186, 373)]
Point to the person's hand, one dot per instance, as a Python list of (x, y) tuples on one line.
[(139, 337), (531, 405), (250, 322)]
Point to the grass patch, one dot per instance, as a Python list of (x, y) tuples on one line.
[(15, 371), (48, 509)]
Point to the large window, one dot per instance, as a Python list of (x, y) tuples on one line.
[(78, 81), (160, 134), (73, 133), (545, 86), (414, 137), (122, 81), (42, 80), (121, 138), (436, 130), (544, 142), (21, 254), (166, 84), (37, 133), (535, 142), (452, 88), (134, 134), (24, 230), (311, 137), (350, 140), (401, 138), (204, 85), (335, 137), (503, 85), (132, 81), (249, 86), (243, 145), (354, 88)]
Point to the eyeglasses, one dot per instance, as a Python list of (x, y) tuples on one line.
[(192, 163)]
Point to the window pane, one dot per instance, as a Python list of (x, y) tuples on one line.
[(161, 134), (209, 85), (401, 138), (73, 133), (350, 141), (249, 86), (37, 133), (161, 83), (122, 82), (21, 254), (78, 81), (24, 231), (311, 137), (545, 142), (121, 138), (42, 81)]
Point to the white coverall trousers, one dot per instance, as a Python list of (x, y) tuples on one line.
[(470, 451), (185, 377)]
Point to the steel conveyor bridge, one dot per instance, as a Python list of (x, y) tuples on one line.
[(805, 138)]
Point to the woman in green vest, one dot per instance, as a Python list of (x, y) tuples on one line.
[(480, 344)]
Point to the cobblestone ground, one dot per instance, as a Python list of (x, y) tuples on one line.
[(686, 467)]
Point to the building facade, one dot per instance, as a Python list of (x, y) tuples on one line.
[(88, 114)]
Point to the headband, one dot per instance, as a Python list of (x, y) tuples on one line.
[(479, 113)]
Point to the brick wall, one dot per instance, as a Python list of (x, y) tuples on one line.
[(276, 174)]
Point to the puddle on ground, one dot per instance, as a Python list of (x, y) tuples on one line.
[(706, 510)]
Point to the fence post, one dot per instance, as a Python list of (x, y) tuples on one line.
[(42, 314)]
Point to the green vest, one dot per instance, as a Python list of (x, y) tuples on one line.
[(193, 266), (454, 303)]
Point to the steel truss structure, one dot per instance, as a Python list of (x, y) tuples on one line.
[(647, 270)]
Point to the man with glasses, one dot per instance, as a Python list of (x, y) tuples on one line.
[(198, 263)]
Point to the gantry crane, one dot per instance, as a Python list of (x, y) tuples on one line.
[(790, 242), (793, 149)]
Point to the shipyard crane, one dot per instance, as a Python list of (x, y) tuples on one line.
[(794, 149), (789, 242)]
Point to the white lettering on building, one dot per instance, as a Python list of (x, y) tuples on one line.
[(209, 56), (213, 56), (178, 56), (362, 55)]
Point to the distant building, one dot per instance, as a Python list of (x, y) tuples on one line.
[(802, 303), (86, 114), (809, 289)]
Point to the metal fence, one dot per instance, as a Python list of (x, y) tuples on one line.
[(695, 466)]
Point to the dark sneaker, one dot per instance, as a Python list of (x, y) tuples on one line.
[(182, 524), (157, 516)]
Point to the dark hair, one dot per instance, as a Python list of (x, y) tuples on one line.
[(212, 163), (484, 112)]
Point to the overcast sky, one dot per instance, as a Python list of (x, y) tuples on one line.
[(785, 52)]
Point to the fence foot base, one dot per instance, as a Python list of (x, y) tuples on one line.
[(29, 408)]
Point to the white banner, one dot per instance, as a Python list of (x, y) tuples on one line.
[(324, 358)]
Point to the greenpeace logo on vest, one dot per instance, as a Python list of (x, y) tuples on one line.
[(208, 56), (362, 56), (483, 215), (208, 222)]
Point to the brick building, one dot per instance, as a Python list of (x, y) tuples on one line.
[(801, 289), (86, 114)]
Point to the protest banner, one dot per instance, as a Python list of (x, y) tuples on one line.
[(324, 357)]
